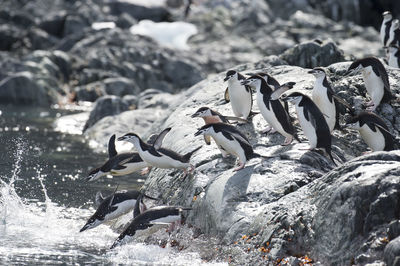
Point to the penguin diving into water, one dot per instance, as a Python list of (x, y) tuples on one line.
[(312, 122), (114, 206), (156, 215), (272, 110), (118, 164), (157, 156), (373, 131), (375, 78)]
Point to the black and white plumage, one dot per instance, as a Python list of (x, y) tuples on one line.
[(272, 110), (114, 206), (240, 96), (394, 33), (394, 56), (150, 217), (385, 27), (118, 164), (157, 156), (312, 122), (375, 78), (231, 140), (373, 131)]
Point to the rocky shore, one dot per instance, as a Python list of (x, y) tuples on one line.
[(294, 207)]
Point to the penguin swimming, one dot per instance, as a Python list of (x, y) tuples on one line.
[(239, 95), (373, 131), (375, 78), (157, 156), (114, 206), (394, 56), (118, 164), (150, 217), (231, 140), (312, 122), (385, 27), (272, 110)]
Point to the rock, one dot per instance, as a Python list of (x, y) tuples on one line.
[(392, 252), (10, 37), (54, 23), (394, 230), (125, 21), (312, 54), (132, 101), (105, 106), (21, 88), (152, 98), (120, 86), (40, 40), (89, 92), (74, 24), (156, 13)]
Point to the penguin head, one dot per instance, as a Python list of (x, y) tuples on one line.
[(353, 122), (131, 137), (253, 81), (395, 24), (92, 223), (294, 97), (230, 74), (204, 130), (387, 15), (354, 68), (95, 174), (203, 112), (318, 72)]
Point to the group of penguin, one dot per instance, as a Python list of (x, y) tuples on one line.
[(317, 115)]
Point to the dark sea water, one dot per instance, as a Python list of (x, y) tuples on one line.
[(45, 200)]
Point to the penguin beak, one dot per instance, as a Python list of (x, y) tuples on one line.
[(279, 92), (245, 82), (194, 115), (197, 133), (84, 228), (226, 78), (312, 71), (121, 138)]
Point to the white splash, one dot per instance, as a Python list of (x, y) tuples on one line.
[(170, 34)]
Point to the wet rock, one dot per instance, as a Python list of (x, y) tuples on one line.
[(106, 106), (313, 54)]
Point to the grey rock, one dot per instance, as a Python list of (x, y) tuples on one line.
[(312, 54), (89, 92), (152, 98), (392, 252), (125, 21), (106, 106), (120, 86), (53, 23), (394, 230), (74, 24), (139, 12), (132, 101)]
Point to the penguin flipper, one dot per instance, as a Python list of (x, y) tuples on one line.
[(160, 138), (136, 210), (119, 167), (226, 96), (111, 147), (99, 198), (339, 100)]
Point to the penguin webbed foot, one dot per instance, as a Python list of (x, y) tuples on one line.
[(145, 170), (287, 141), (241, 166)]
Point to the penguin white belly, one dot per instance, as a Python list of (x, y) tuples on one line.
[(382, 33), (130, 168), (308, 128), (240, 99), (162, 162), (123, 207), (375, 140), (374, 85), (166, 219), (328, 109), (230, 146), (270, 116)]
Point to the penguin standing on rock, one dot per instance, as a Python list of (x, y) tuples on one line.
[(385, 27), (231, 140), (394, 56), (118, 164), (272, 110), (157, 156), (373, 130), (312, 122), (375, 78), (239, 95)]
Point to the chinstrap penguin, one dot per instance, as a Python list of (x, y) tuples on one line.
[(385, 27), (231, 140), (394, 33), (273, 111), (373, 131), (312, 122), (113, 206), (156, 215), (375, 78), (394, 56), (118, 164), (157, 156), (239, 95)]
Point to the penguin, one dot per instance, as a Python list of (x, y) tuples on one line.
[(385, 27), (118, 164), (373, 131), (375, 78), (312, 122), (114, 206), (394, 56), (239, 95), (272, 110), (150, 217), (394, 33), (231, 140), (157, 156)]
